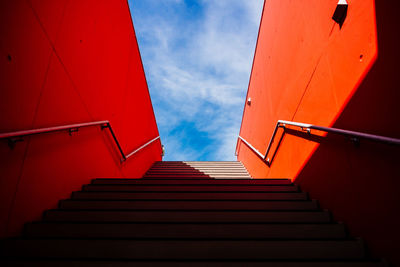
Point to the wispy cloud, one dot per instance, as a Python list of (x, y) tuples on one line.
[(197, 57)]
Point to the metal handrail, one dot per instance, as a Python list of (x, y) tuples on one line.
[(308, 127), (258, 153), (14, 136)]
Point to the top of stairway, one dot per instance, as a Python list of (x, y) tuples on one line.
[(196, 169)]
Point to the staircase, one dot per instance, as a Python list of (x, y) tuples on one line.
[(198, 169), (179, 214)]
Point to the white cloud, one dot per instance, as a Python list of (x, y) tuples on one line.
[(198, 70)]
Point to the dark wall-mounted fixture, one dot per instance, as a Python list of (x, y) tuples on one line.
[(340, 14)]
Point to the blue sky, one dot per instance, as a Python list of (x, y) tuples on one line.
[(197, 57)]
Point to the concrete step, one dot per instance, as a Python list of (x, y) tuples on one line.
[(191, 182), (188, 168), (200, 178), (190, 188), (230, 177), (219, 263), (212, 175), (198, 162), (193, 163), (183, 249), (175, 174), (185, 231), (188, 196), (194, 167), (220, 173), (188, 205), (188, 216), (191, 169)]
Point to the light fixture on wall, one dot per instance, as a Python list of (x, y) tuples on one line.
[(340, 14)]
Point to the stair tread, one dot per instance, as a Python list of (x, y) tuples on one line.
[(219, 263), (209, 231), (201, 176), (182, 249), (194, 182), (194, 205), (188, 216), (191, 188), (199, 170), (185, 178), (190, 196)]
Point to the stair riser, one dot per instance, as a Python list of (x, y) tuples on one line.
[(200, 170), (170, 170), (188, 263), (177, 175), (188, 216), (189, 182), (186, 231), (172, 175), (166, 166), (189, 196), (204, 177), (214, 174), (219, 163), (195, 177), (226, 176), (190, 205), (194, 168), (194, 250), (198, 188), (234, 167)]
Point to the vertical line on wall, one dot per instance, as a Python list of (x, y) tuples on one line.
[(305, 89), (58, 56), (50, 58), (41, 91)]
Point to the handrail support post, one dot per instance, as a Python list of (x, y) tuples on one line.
[(72, 130), (105, 126), (12, 141), (355, 141)]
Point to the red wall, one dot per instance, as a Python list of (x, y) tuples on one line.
[(307, 69), (65, 62)]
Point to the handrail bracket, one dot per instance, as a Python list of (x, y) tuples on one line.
[(12, 141), (104, 126), (72, 130)]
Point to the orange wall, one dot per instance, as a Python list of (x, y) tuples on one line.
[(307, 69), (66, 62)]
